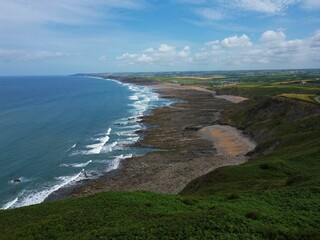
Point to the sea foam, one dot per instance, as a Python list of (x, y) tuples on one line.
[(76, 165), (31, 197)]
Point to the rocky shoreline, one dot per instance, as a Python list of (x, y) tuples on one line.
[(183, 152)]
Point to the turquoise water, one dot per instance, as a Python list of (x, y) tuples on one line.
[(55, 131)]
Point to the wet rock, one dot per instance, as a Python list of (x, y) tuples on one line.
[(17, 180), (193, 128)]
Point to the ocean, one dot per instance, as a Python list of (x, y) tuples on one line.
[(58, 130)]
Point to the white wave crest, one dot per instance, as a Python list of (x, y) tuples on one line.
[(114, 164), (128, 133), (134, 98), (109, 147), (9, 204), (32, 197), (76, 165), (96, 148)]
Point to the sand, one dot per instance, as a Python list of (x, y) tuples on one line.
[(228, 140), (231, 98)]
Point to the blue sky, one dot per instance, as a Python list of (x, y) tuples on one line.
[(70, 36)]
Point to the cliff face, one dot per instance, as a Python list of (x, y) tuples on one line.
[(269, 118)]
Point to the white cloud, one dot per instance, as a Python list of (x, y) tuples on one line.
[(135, 58), (264, 6), (220, 9), (103, 58), (185, 52), (195, 2), (276, 44), (236, 52), (311, 4), (164, 55), (210, 14), (164, 48), (240, 52), (315, 40), (18, 55), (149, 50), (270, 36), (235, 41), (213, 44), (143, 58)]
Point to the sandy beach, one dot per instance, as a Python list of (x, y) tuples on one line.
[(231, 98), (189, 142), (228, 140)]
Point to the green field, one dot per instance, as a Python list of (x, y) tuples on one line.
[(275, 195)]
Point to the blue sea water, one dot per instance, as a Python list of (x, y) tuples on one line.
[(57, 130)]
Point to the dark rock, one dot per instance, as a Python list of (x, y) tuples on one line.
[(17, 180), (193, 128)]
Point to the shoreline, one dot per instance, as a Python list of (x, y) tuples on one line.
[(126, 133), (183, 152)]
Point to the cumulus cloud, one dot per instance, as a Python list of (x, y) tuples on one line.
[(315, 41), (272, 36), (213, 44), (163, 55), (272, 49), (275, 43), (236, 52), (164, 48), (185, 52), (235, 41)]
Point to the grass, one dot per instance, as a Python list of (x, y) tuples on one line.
[(301, 97), (186, 80), (275, 195), (201, 78), (273, 89), (282, 214)]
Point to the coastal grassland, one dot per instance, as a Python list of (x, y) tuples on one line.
[(290, 213), (207, 82), (275, 195), (302, 97), (272, 89), (201, 77), (251, 84)]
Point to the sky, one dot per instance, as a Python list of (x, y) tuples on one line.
[(45, 37)]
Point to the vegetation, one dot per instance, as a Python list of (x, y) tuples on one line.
[(271, 89), (302, 97), (275, 195)]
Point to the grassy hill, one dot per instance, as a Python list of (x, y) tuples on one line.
[(275, 195)]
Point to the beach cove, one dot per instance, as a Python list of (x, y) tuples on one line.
[(188, 140)]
